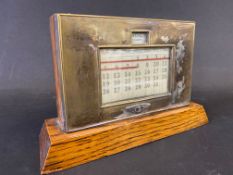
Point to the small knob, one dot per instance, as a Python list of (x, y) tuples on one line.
[(137, 108)]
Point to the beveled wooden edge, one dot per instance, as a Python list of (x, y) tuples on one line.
[(59, 151), (44, 143)]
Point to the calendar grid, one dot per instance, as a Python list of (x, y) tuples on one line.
[(133, 73)]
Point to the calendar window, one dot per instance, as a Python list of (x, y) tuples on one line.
[(133, 73)]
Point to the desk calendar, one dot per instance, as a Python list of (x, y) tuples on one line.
[(120, 82)]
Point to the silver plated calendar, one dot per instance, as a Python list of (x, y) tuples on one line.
[(114, 68)]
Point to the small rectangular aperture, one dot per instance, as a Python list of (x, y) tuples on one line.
[(141, 37)]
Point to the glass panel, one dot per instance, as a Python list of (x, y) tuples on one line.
[(133, 73), (140, 37)]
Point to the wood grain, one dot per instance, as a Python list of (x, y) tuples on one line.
[(59, 151)]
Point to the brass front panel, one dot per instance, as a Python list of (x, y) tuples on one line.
[(79, 39)]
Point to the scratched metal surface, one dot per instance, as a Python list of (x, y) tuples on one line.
[(27, 88), (81, 36)]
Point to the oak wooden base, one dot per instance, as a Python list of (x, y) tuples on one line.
[(59, 151)]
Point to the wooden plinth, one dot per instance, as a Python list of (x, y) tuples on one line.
[(59, 151)]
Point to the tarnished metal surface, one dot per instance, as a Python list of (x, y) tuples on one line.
[(79, 38)]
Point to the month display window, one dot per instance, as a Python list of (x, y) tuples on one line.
[(133, 73)]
